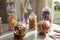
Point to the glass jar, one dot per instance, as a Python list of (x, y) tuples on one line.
[(19, 31), (32, 21)]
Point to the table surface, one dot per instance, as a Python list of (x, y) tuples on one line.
[(30, 35)]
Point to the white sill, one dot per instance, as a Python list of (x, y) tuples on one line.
[(8, 35)]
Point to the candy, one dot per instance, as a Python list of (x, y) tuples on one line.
[(19, 31), (32, 21)]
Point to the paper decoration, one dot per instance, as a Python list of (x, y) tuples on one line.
[(8, 7), (29, 6)]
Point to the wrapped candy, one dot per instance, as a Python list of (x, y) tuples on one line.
[(32, 21), (12, 20), (19, 31), (43, 27), (0, 26), (46, 14)]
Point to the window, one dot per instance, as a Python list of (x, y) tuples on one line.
[(57, 11)]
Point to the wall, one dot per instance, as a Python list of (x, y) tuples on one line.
[(38, 5), (17, 6), (3, 11)]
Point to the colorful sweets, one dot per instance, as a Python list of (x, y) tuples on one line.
[(46, 14), (43, 27), (32, 21), (12, 20), (19, 31)]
